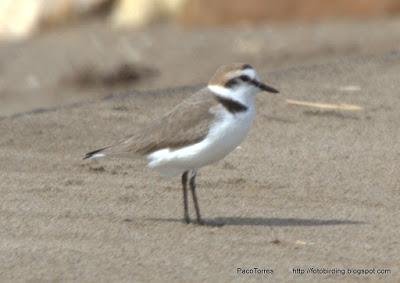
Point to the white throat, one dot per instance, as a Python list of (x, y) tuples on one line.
[(244, 96)]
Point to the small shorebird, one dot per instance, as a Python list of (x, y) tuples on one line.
[(200, 130)]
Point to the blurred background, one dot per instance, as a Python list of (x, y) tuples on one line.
[(55, 52)]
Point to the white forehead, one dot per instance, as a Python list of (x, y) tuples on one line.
[(250, 72)]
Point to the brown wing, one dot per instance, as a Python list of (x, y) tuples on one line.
[(186, 124)]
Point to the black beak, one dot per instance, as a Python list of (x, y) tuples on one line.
[(264, 87)]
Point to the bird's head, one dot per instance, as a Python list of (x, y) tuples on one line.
[(238, 79)]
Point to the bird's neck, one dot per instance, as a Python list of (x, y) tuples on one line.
[(241, 96)]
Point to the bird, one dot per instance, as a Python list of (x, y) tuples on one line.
[(200, 130)]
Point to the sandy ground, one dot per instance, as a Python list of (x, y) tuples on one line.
[(308, 188)]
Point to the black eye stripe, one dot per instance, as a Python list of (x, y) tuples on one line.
[(245, 78), (231, 83), (235, 81)]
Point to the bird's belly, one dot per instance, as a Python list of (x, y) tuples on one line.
[(223, 138)]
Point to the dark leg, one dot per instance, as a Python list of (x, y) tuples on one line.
[(186, 218), (196, 204)]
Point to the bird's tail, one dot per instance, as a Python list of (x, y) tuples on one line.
[(95, 153)]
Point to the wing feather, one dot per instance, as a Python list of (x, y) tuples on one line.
[(188, 123)]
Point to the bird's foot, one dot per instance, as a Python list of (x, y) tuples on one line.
[(200, 221), (186, 220)]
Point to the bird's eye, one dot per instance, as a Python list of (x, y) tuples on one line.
[(231, 83), (245, 78)]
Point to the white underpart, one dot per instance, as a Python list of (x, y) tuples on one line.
[(224, 136)]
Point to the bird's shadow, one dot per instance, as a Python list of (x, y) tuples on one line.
[(260, 221)]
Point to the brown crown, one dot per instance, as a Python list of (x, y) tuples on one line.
[(227, 72)]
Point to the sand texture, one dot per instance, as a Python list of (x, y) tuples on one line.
[(308, 188)]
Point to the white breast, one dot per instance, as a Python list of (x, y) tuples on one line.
[(224, 136)]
